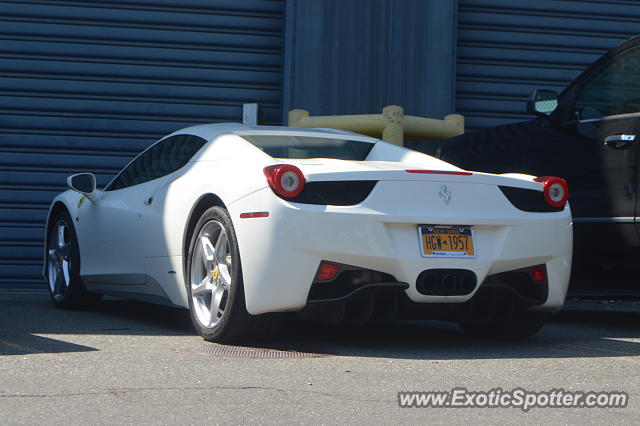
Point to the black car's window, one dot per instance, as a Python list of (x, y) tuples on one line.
[(301, 147), (613, 89), (161, 159)]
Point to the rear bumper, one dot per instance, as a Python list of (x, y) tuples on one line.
[(280, 253)]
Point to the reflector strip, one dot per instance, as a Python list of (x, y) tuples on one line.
[(327, 271), (439, 172), (538, 273), (251, 215)]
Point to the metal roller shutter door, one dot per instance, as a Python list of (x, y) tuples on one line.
[(507, 48), (86, 85)]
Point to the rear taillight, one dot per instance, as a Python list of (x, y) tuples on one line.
[(556, 190), (285, 180)]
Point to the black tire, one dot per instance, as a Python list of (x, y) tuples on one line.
[(235, 323), (67, 290)]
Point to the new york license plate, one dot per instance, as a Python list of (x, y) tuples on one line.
[(446, 241)]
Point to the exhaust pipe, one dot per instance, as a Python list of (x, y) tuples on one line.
[(446, 282)]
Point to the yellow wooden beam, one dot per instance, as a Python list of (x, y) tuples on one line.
[(392, 125)]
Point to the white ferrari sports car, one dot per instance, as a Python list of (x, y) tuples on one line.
[(244, 224)]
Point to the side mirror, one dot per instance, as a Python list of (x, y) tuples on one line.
[(84, 183), (542, 102)]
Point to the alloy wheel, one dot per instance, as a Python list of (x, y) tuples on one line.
[(59, 260), (210, 275)]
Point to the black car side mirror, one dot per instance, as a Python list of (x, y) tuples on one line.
[(84, 183), (542, 102)]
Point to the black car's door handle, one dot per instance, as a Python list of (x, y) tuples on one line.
[(619, 141)]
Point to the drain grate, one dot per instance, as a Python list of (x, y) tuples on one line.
[(251, 352)]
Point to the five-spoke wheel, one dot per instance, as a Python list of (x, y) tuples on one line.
[(63, 266), (214, 282), (211, 273), (59, 260)]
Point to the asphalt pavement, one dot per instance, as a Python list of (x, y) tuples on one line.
[(133, 363)]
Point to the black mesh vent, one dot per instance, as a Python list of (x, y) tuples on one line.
[(335, 193), (528, 200)]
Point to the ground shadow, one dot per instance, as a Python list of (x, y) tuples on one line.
[(26, 316), (33, 344), (574, 333)]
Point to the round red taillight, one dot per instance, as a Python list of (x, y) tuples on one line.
[(556, 190), (285, 180)]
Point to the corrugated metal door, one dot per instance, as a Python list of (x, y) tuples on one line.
[(86, 85), (508, 48)]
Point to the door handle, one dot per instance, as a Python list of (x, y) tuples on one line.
[(619, 141), (148, 201)]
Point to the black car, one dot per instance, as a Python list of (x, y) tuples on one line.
[(588, 134)]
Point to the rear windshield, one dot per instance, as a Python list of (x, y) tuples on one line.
[(310, 147)]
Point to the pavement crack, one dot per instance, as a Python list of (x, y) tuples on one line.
[(119, 392)]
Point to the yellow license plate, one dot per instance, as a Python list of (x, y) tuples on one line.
[(446, 241)]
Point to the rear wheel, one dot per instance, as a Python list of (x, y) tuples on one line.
[(63, 266), (214, 282)]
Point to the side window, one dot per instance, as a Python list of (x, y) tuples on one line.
[(611, 90), (161, 159)]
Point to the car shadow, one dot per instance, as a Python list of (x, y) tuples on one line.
[(570, 335), (27, 321)]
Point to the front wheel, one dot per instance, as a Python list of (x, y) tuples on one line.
[(214, 281), (63, 266)]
